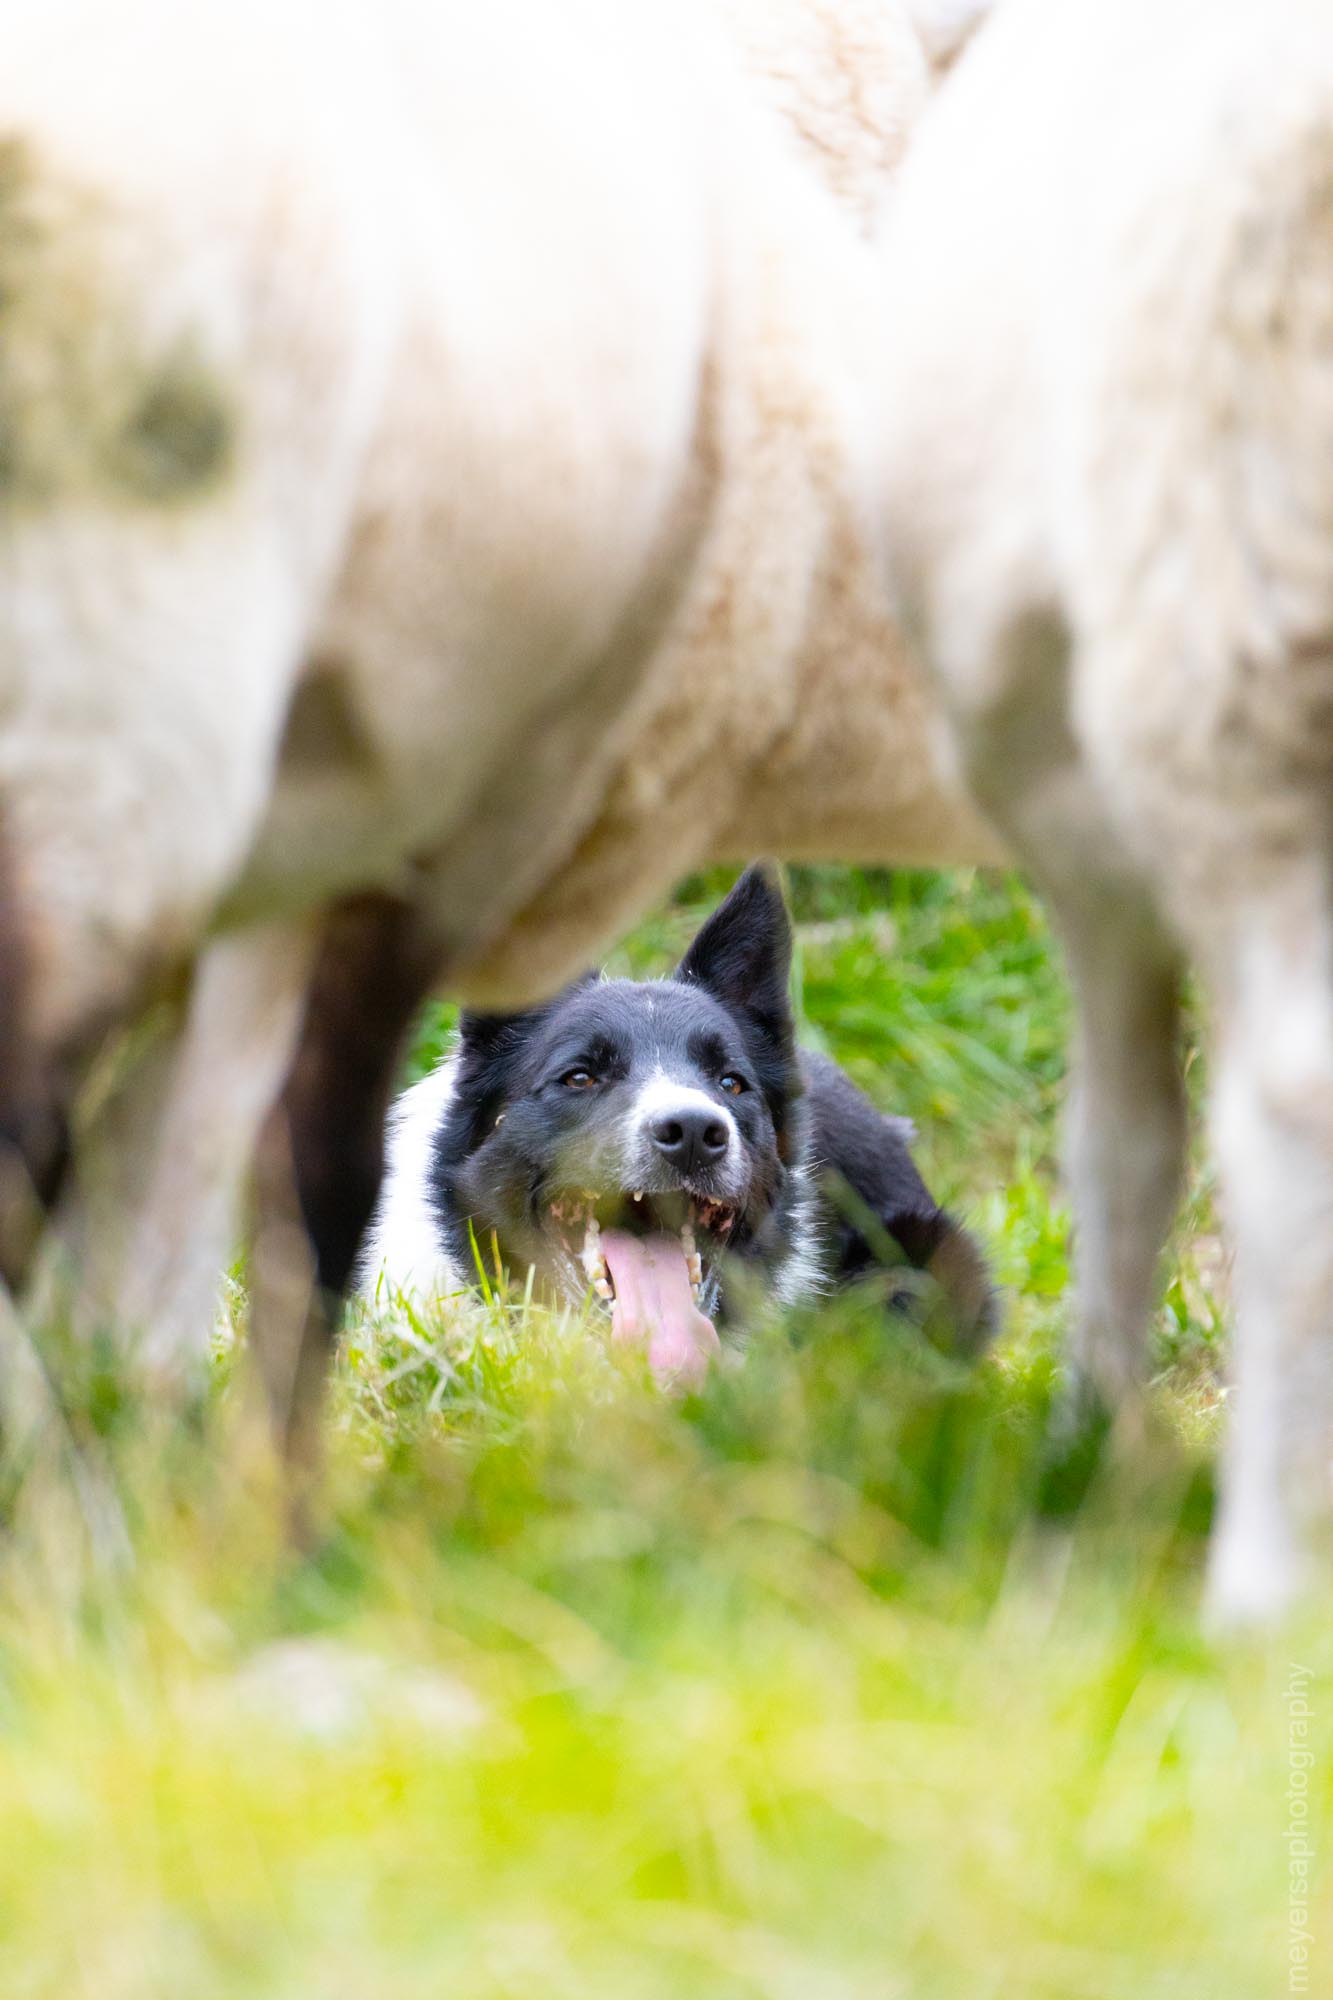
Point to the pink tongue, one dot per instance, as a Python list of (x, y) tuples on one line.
[(655, 1304)]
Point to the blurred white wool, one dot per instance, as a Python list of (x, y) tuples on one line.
[(944, 25)]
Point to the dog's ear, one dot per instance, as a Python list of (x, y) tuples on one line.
[(488, 1049), (490, 1057), (743, 953), (485, 1037)]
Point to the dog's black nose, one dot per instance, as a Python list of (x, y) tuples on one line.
[(689, 1139)]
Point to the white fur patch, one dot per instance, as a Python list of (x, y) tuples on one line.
[(664, 1097), (801, 1274), (404, 1250), (944, 25)]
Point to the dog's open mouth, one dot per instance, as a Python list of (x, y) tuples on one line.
[(652, 1257)]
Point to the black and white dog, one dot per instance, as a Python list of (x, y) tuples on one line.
[(665, 1144)]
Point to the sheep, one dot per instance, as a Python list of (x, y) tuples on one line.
[(436, 515), (856, 766), (1107, 509)]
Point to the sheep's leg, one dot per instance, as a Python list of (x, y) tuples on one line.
[(1273, 1119), (1125, 1129), (241, 1028), (153, 1214), (322, 1154), (34, 1128), (1125, 1133)]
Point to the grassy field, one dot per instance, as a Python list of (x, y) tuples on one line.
[(816, 1687)]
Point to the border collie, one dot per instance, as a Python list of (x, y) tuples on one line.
[(665, 1144)]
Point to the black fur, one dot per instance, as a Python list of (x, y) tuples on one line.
[(878, 1213), (818, 1187), (517, 1139)]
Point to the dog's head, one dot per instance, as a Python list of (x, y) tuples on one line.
[(632, 1136)]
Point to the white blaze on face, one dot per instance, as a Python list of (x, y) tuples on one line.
[(651, 1279), (663, 1097)]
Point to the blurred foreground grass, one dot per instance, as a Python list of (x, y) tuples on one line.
[(793, 1692)]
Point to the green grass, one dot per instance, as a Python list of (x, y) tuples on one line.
[(793, 1691)]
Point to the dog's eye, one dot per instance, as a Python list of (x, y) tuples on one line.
[(732, 1083), (578, 1079)]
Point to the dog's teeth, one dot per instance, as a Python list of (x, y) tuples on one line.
[(693, 1261), (636, 1196), (594, 1263)]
